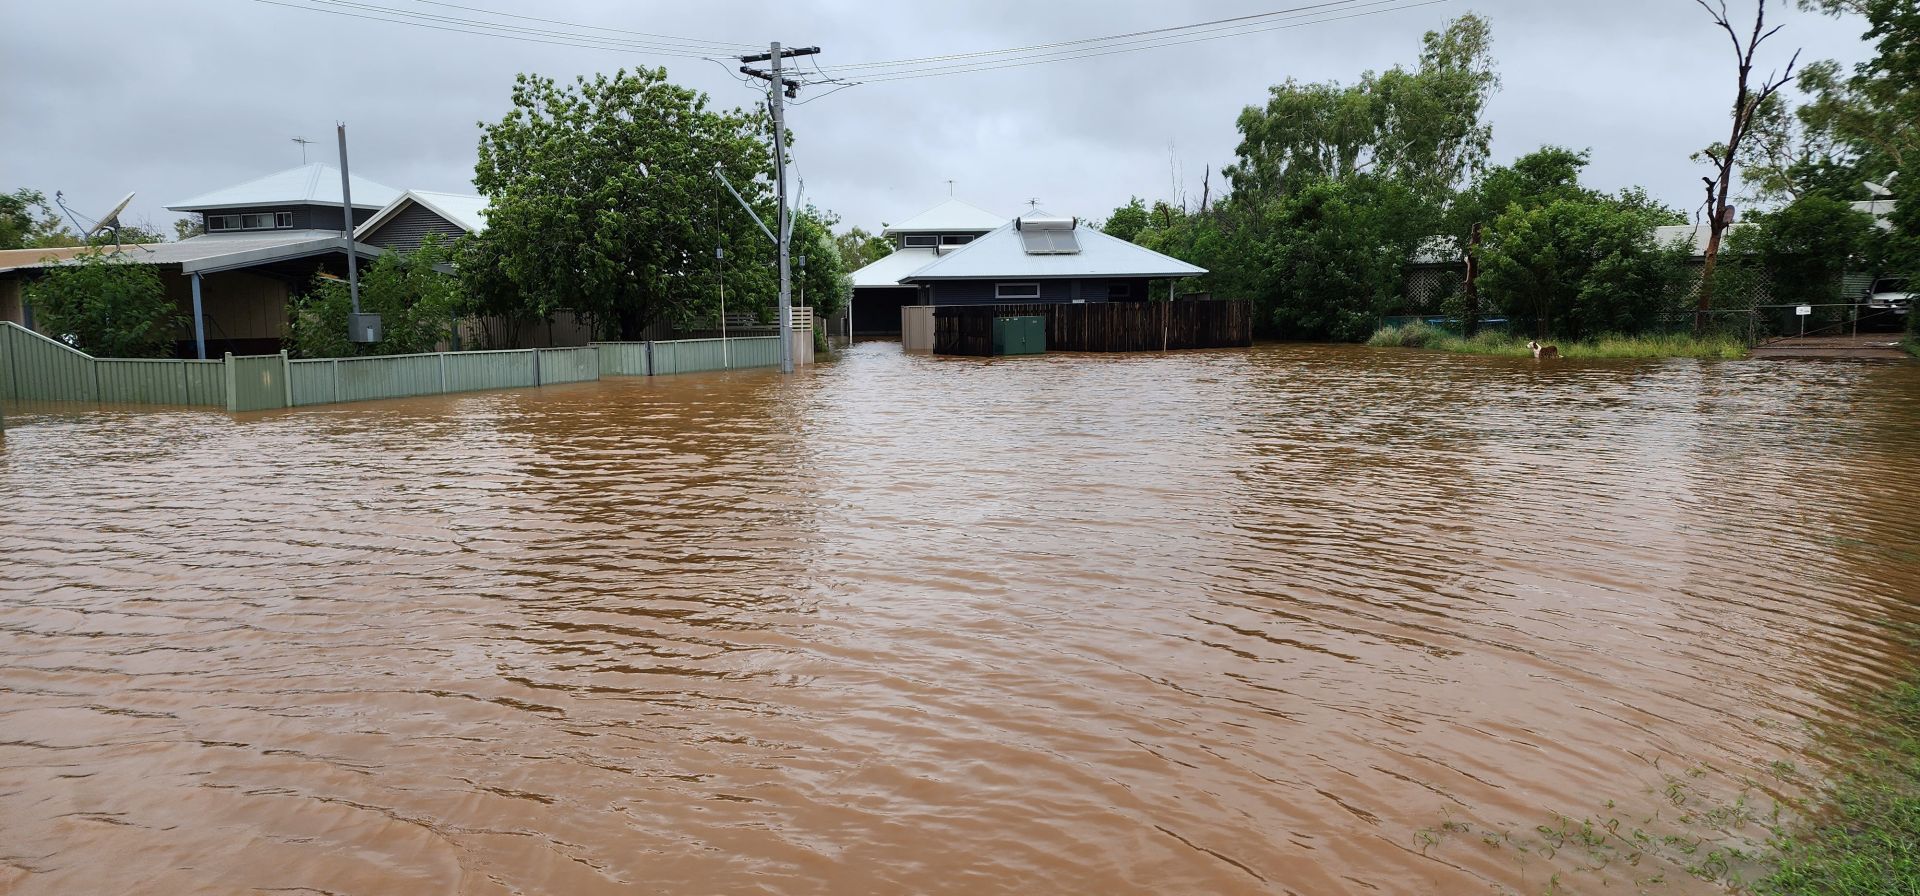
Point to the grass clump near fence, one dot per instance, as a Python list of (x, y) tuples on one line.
[(1419, 335), (1865, 837)]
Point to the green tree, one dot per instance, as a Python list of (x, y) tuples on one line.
[(859, 248), (1875, 110), (1806, 248), (417, 301), (603, 201), (17, 220), (1582, 266), (826, 284), (1327, 262), (1128, 220), (189, 226), (106, 306), (1421, 127)]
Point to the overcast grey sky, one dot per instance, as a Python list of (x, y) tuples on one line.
[(172, 99)]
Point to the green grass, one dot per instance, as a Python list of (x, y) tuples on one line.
[(1866, 838), (1605, 347)]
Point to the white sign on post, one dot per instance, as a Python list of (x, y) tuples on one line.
[(1804, 310)]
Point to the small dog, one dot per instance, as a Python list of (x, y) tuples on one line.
[(1544, 352)]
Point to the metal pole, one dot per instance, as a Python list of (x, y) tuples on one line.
[(346, 222), (199, 322), (775, 97), (720, 266)]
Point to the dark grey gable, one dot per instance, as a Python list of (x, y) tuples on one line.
[(407, 229)]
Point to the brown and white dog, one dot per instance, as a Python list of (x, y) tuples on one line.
[(1541, 352)]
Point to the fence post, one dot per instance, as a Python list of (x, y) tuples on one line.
[(333, 372), (227, 366), (649, 358), (443, 372), (536, 368), (286, 378)]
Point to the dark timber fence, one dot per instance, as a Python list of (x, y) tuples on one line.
[(1103, 326)]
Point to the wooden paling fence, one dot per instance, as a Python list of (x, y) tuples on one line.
[(1103, 326)]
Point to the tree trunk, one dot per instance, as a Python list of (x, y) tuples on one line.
[(1471, 324)]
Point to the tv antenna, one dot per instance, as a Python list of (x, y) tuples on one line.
[(949, 188), (1033, 204), (303, 148)]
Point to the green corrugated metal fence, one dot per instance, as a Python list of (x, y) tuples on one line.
[(36, 368), (687, 355), (568, 365), (256, 382)]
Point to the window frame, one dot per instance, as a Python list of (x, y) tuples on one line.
[(955, 239), (1120, 289), (999, 290), (907, 241)]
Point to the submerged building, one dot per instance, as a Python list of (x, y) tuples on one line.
[(959, 254)]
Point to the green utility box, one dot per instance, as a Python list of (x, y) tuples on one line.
[(1019, 335)]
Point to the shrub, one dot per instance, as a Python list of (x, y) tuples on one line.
[(107, 307)]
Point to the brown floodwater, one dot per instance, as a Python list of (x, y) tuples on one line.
[(1289, 620)]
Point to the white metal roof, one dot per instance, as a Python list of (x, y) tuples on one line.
[(1693, 236), (888, 271), (220, 252), (463, 210), (951, 216), (1000, 256), (314, 184)]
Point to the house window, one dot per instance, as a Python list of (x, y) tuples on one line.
[(1016, 290), (960, 239), (261, 221), (921, 241), (1119, 290)]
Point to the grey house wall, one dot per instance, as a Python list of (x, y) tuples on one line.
[(410, 227), (305, 217), (983, 292)]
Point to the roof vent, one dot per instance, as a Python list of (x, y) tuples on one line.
[(1048, 236)]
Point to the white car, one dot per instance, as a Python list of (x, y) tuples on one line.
[(1890, 294)]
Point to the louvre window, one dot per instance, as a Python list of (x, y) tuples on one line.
[(1016, 290)]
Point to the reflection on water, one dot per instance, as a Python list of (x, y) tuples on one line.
[(1213, 622)]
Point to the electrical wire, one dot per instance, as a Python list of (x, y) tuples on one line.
[(1093, 40), (686, 40), (1379, 7), (588, 43), (648, 46)]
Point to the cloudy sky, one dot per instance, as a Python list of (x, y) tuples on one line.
[(172, 99)]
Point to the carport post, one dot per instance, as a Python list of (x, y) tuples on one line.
[(199, 322)]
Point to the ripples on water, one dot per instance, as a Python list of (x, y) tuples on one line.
[(1240, 621)]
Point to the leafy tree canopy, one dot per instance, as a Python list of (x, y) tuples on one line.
[(106, 306), (1421, 127), (1128, 220), (604, 201), (416, 299)]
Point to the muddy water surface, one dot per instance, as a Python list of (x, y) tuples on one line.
[(1294, 620)]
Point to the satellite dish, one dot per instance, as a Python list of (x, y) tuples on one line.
[(1877, 189), (111, 220)]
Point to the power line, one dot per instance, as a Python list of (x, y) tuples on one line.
[(651, 46), (1044, 59), (586, 42), (1089, 40), (508, 15)]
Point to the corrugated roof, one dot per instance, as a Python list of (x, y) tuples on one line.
[(314, 184), (1000, 255), (208, 253), (951, 216), (464, 210), (888, 271)]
